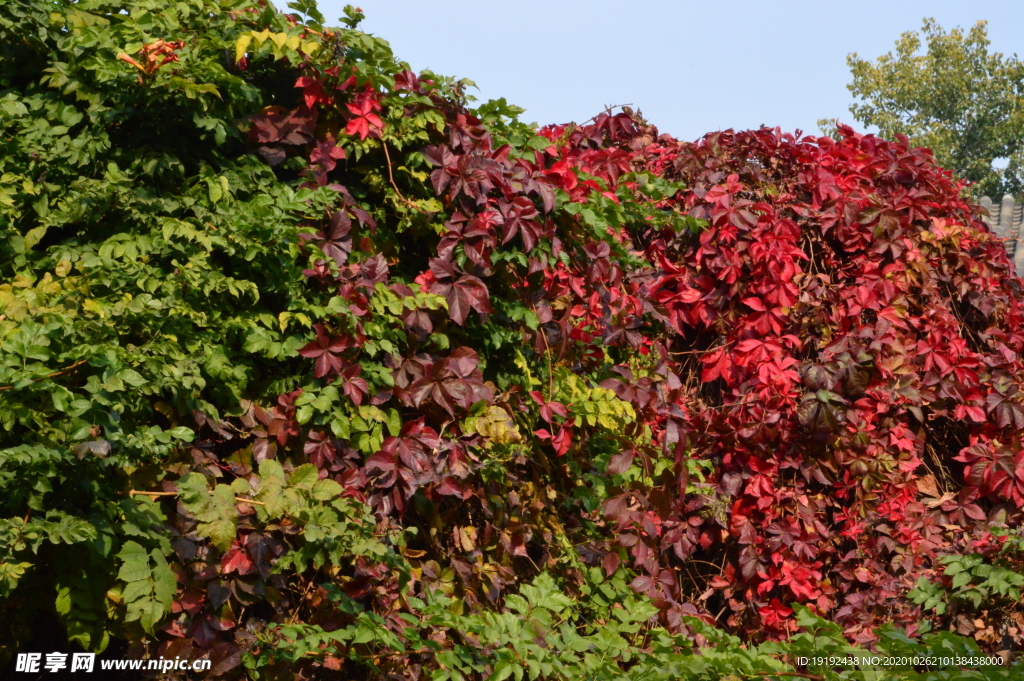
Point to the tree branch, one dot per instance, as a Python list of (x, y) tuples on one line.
[(391, 177), (136, 492), (53, 375)]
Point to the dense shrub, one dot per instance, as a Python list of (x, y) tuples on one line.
[(310, 367)]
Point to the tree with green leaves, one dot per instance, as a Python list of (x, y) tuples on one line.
[(949, 93)]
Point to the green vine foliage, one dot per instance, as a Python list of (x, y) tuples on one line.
[(209, 448), (141, 248)]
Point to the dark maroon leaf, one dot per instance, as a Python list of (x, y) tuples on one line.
[(468, 293), (352, 384), (320, 449), (326, 153), (272, 154), (375, 269), (620, 462), (611, 563), (324, 349)]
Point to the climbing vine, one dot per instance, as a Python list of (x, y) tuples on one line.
[(311, 365)]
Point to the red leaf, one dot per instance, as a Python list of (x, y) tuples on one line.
[(611, 563), (620, 462), (237, 560), (562, 440), (323, 349), (468, 293), (364, 121), (326, 153), (312, 91), (452, 487)]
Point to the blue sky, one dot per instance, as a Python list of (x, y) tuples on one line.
[(691, 67)]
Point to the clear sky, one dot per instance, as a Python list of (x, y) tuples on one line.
[(690, 67)]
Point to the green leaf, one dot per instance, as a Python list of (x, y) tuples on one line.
[(135, 562), (304, 477), (194, 492), (325, 490)]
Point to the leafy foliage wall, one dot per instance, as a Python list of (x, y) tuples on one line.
[(309, 367)]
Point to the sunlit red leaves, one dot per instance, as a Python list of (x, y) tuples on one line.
[(559, 436), (563, 176), (237, 560), (995, 469), (802, 580), (606, 163), (970, 410), (363, 118), (676, 300), (963, 508), (764, 320), (719, 363), (312, 91), (810, 343), (775, 615), (548, 410), (884, 351)]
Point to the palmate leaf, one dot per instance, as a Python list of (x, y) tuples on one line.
[(271, 487), (217, 511), (466, 294), (1005, 411), (221, 519), (335, 241), (324, 350)]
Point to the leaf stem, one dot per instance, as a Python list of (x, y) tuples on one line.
[(547, 353), (136, 492), (391, 177), (551, 373), (54, 374)]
